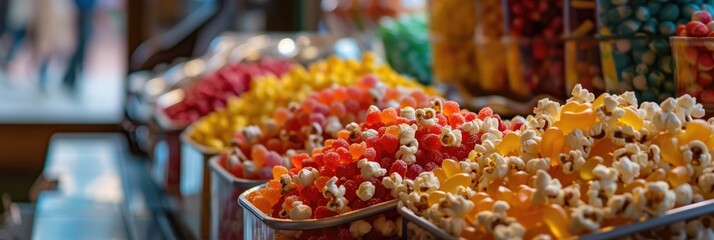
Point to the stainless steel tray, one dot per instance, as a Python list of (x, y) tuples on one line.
[(287, 224), (672, 216)]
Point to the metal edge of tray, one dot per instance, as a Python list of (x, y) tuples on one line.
[(239, 182), (185, 138), (672, 216), (423, 223), (287, 224)]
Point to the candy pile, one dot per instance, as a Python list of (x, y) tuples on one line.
[(211, 92), (254, 107), (406, 45), (644, 63), (538, 25), (305, 126), (574, 169), (371, 162), (694, 57)]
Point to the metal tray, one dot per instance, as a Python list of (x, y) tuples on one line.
[(672, 216), (258, 225), (226, 213)]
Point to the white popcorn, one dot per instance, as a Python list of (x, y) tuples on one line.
[(408, 113), (627, 99), (515, 163), (306, 176), (684, 194), (455, 205), (648, 160), (655, 198), (490, 125), (406, 134), (697, 155), (623, 205), (546, 188), (394, 183), (649, 108), (469, 167), (408, 153), (608, 178), (620, 136), (626, 169), (530, 142), (535, 164), (581, 95), (365, 191), (546, 106), (388, 228), (490, 137), (252, 134), (586, 218), (286, 183), (496, 166), (426, 182), (437, 104), (313, 128), (449, 137), (331, 190), (706, 181), (332, 126), (465, 191), (498, 223), (687, 107), (249, 167), (426, 117), (337, 204), (568, 196), (472, 127), (300, 211), (598, 130), (369, 133), (666, 119), (355, 131), (576, 140), (360, 228), (370, 169), (313, 141), (453, 226), (416, 202), (572, 161), (597, 196), (610, 110)]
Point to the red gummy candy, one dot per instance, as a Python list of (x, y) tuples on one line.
[(350, 190), (442, 119), (389, 144), (413, 171), (323, 212), (347, 171), (430, 142), (370, 154), (450, 107), (399, 167), (470, 116), (484, 113), (430, 166), (340, 143), (327, 171), (331, 159), (297, 159), (345, 156)]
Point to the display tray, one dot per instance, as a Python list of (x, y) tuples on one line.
[(672, 216), (226, 213), (258, 225)]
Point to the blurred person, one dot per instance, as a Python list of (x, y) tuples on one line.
[(53, 37), (84, 29)]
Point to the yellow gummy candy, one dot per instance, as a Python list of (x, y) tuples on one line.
[(557, 220), (552, 144), (695, 130), (435, 196), (461, 179), (582, 120), (439, 173), (632, 119), (669, 149), (450, 167), (510, 144)]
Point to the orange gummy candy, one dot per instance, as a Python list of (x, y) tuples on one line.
[(279, 171)]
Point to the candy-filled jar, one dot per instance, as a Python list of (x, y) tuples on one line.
[(695, 67), (638, 56), (451, 28), (490, 48), (535, 49), (582, 52)]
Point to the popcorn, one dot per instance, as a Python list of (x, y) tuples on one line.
[(546, 106), (449, 137), (576, 140), (687, 107), (598, 130), (581, 95), (331, 190), (365, 191), (568, 196), (499, 224), (355, 131), (572, 161), (490, 125), (706, 181), (369, 133), (360, 228), (650, 161), (306, 176), (540, 122), (416, 202), (313, 141), (300, 211), (515, 163), (655, 198), (512, 231), (408, 153), (453, 226), (536, 164), (623, 205), (426, 182), (426, 117), (387, 228), (252, 134), (394, 183), (286, 183), (684, 194), (408, 113), (610, 110), (608, 178), (332, 125), (586, 218), (437, 104), (626, 169), (455, 205), (666, 120), (623, 135), (697, 155), (597, 195), (627, 99), (472, 127), (370, 169), (546, 188)]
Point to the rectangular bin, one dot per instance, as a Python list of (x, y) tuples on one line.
[(195, 184), (167, 152), (226, 213), (673, 216), (258, 225)]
